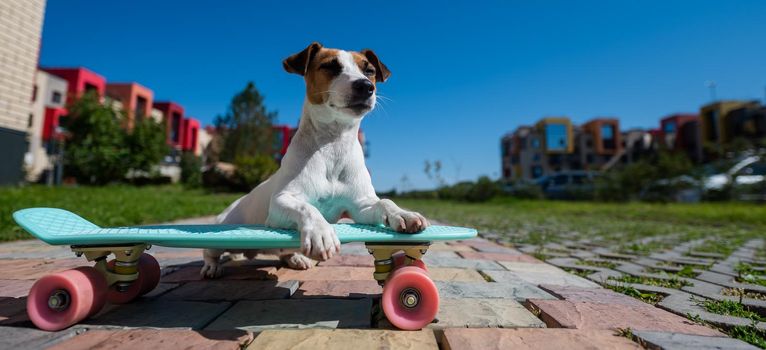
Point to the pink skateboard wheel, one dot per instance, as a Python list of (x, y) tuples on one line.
[(62, 299), (410, 299)]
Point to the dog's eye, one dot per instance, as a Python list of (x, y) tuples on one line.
[(333, 67), (369, 71)]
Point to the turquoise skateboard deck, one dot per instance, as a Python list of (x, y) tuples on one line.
[(61, 227)]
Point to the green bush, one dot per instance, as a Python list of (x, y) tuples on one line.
[(95, 152), (526, 190), (252, 170), (645, 179), (191, 170), (146, 144)]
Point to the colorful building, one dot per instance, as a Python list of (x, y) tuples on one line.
[(599, 144), (174, 116), (714, 126), (80, 80), (681, 132), (48, 106), (136, 101)]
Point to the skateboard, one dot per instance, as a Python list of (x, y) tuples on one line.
[(410, 299)]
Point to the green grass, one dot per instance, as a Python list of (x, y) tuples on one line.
[(110, 205), (615, 224), (749, 275), (748, 333), (686, 271), (648, 297), (606, 264), (672, 282), (730, 308)]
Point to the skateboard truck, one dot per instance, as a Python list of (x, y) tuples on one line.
[(389, 256), (125, 268)]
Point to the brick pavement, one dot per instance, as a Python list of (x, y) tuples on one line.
[(493, 296)]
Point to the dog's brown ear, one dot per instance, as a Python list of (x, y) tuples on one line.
[(299, 63), (381, 71)]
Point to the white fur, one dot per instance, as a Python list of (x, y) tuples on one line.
[(322, 176)]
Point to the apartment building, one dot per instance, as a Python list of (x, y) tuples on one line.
[(48, 106), (135, 98), (20, 31)]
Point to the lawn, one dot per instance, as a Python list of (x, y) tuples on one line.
[(110, 205), (623, 224)]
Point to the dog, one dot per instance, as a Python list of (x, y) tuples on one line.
[(323, 174)]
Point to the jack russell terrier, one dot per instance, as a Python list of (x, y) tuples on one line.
[(323, 174)]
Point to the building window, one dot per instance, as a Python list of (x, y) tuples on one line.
[(175, 125), (536, 157), (31, 118), (669, 127), (56, 97), (535, 143), (607, 136), (140, 107), (556, 137), (537, 171), (90, 88), (34, 93)]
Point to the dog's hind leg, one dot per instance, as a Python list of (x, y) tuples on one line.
[(212, 267)]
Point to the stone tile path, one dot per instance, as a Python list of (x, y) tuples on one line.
[(493, 296)]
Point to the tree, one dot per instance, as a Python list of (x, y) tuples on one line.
[(146, 143), (95, 150), (246, 127)]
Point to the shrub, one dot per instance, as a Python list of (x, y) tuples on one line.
[(95, 152), (252, 170), (146, 145), (191, 170)]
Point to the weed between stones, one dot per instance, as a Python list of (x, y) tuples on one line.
[(649, 298), (579, 272), (748, 333), (604, 263), (738, 292), (686, 271), (672, 282)]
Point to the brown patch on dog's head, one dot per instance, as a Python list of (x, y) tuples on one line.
[(381, 71), (319, 66)]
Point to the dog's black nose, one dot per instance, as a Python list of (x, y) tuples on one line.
[(363, 88)]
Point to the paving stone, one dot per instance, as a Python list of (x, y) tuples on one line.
[(442, 254), (441, 246), (338, 289), (160, 314), (343, 339), (537, 274), (350, 260), (497, 249), (156, 339), (678, 341), (161, 289), (500, 257), (10, 307), (187, 274), (434, 261), (518, 290), (15, 288), (454, 274), (478, 313), (28, 337), (587, 315), (593, 295), (232, 290), (533, 339), (327, 273), (296, 313)]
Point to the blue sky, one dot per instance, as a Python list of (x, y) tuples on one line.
[(463, 74)]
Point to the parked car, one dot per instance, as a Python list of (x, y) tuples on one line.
[(748, 171), (574, 184)]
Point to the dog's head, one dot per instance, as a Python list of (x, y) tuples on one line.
[(343, 81)]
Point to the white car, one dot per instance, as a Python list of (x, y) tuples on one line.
[(748, 171)]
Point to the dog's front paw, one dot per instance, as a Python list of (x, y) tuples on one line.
[(406, 221), (211, 269), (319, 241)]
